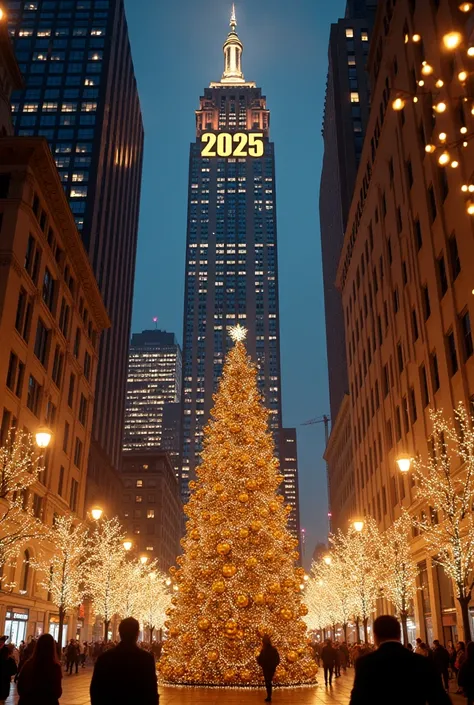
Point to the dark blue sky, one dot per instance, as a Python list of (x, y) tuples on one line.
[(177, 51)]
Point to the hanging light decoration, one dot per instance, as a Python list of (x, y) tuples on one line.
[(440, 107), (452, 40), (430, 148), (444, 158), (466, 6), (426, 69), (398, 104)]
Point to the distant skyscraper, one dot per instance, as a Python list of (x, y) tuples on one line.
[(231, 251), (345, 117), (81, 95), (153, 385), (289, 470)]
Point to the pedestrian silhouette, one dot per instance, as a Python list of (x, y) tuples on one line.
[(268, 659), (39, 682)]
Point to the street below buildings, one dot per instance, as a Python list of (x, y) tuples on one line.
[(76, 692)]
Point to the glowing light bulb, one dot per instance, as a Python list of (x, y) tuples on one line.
[(444, 158), (464, 144), (2, 14), (465, 6), (440, 107), (407, 38), (427, 69), (464, 188), (442, 136), (462, 76), (430, 148), (416, 38), (470, 208), (415, 99), (470, 51), (470, 188), (398, 104), (452, 40), (439, 83), (454, 164), (404, 463), (463, 130), (421, 82)]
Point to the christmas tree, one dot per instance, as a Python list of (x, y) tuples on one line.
[(237, 580)]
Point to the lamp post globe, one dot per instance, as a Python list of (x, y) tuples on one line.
[(127, 544), (43, 437), (404, 463), (96, 513)]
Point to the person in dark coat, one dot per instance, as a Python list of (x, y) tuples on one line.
[(125, 674), (268, 659), (7, 669), (328, 657), (39, 682), (393, 675), (466, 675), (441, 661), (72, 657)]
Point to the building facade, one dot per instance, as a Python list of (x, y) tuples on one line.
[(341, 475), (152, 509), (406, 277), (51, 319), (152, 408), (231, 249), (346, 111), (289, 470), (81, 94)]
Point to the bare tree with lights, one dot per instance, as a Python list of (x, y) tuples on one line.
[(20, 468), (60, 563), (155, 599), (237, 579), (104, 566), (446, 483), (399, 571)]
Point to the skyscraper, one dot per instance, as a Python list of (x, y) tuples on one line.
[(81, 95), (346, 113), (231, 251), (289, 470), (153, 384)]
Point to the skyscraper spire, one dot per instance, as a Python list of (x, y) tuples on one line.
[(233, 49)]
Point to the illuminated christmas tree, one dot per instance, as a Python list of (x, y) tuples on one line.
[(237, 579)]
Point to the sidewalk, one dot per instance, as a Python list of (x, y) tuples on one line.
[(76, 692)]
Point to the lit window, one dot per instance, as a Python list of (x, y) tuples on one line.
[(150, 548), (349, 33), (138, 498), (354, 97), (78, 192), (150, 514), (364, 35), (139, 483)]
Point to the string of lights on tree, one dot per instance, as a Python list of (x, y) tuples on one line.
[(447, 97)]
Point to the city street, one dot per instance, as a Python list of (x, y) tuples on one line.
[(76, 692)]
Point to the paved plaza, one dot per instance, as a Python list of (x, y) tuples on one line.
[(76, 692)]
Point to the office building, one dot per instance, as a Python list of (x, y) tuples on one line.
[(289, 470), (152, 509), (81, 94), (405, 275), (231, 249), (51, 319), (346, 111), (153, 383)]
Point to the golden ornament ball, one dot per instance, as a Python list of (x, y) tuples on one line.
[(223, 548), (186, 639), (173, 570), (294, 642), (218, 586), (264, 512), (259, 598), (193, 555), (286, 613), (212, 656), (260, 462), (295, 555), (174, 632), (218, 487), (174, 600), (242, 600), (300, 572), (280, 498), (292, 656), (192, 484), (203, 624), (229, 570), (239, 634), (245, 675), (251, 485), (231, 626), (302, 626), (273, 506), (226, 534), (243, 533), (182, 542), (243, 498), (179, 559), (269, 555), (303, 610), (288, 583), (251, 562), (280, 672), (256, 525), (280, 478), (216, 518), (200, 494), (274, 588), (311, 670), (230, 676)]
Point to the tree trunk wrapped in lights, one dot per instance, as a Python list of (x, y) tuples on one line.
[(20, 468), (398, 572), (237, 580), (154, 597), (61, 565), (446, 484)]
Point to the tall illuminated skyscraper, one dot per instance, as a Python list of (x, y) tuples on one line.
[(231, 253)]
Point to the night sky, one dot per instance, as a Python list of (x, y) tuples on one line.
[(177, 51)]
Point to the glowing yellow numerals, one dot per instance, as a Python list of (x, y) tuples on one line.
[(238, 145)]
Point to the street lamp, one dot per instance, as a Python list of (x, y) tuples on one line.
[(44, 434), (143, 559), (96, 513), (404, 463), (127, 544), (358, 525)]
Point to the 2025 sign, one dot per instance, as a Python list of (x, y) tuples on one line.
[(227, 144)]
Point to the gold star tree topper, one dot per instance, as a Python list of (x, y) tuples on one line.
[(238, 333)]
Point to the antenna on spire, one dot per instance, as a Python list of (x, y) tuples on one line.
[(233, 18)]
